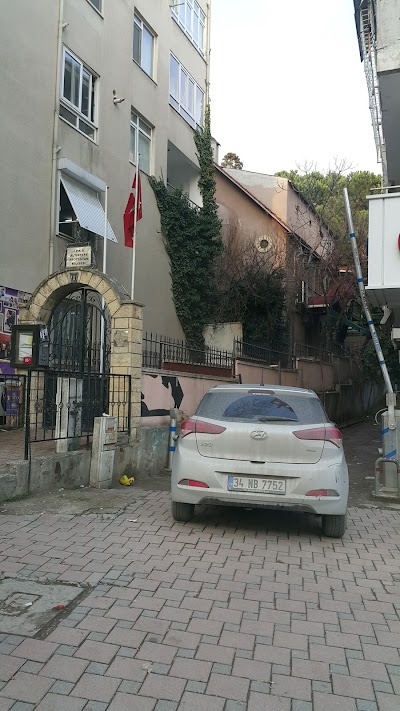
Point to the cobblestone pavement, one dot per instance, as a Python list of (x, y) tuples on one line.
[(235, 610)]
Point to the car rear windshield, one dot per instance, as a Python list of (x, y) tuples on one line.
[(262, 406)]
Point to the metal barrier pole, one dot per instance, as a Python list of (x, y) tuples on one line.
[(172, 437), (129, 402), (27, 416)]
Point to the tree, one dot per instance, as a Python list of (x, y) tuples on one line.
[(232, 160), (250, 288), (370, 364), (324, 192)]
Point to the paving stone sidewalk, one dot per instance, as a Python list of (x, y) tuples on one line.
[(236, 610)]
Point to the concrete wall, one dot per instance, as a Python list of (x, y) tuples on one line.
[(315, 375), (254, 374), (388, 35), (145, 457), (222, 335), (68, 471), (353, 401), (27, 86), (163, 390), (345, 370)]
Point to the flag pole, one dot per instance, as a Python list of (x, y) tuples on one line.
[(134, 227), (102, 333)]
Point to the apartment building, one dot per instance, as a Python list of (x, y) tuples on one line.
[(378, 31), (86, 87)]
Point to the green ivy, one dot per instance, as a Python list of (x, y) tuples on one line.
[(193, 243), (264, 321)]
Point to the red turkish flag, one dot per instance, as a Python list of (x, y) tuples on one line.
[(132, 212)]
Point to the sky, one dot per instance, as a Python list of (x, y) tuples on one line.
[(287, 85)]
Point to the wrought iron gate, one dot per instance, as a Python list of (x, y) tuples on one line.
[(79, 347), (79, 334)]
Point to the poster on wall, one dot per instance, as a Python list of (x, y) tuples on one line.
[(11, 300)]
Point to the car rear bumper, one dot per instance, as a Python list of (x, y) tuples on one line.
[(308, 477), (280, 506)]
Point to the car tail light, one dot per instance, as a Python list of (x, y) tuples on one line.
[(187, 427), (193, 482), (328, 434), (322, 492), (190, 426)]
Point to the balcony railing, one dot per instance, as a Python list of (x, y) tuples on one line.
[(259, 354), (159, 351), (171, 188)]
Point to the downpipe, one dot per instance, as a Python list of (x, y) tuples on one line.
[(55, 147)]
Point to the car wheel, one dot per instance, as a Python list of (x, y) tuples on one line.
[(334, 526), (182, 512)]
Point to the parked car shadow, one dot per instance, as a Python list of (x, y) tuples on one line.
[(283, 523)]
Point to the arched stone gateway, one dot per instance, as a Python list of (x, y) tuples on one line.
[(125, 324)]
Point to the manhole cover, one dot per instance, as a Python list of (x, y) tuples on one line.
[(25, 606), (17, 603)]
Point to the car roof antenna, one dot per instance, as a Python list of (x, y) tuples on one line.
[(262, 377)]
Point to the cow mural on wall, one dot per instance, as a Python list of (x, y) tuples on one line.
[(172, 384), (162, 393)]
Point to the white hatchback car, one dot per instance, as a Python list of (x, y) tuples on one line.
[(261, 446)]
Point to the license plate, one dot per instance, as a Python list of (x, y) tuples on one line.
[(256, 485)]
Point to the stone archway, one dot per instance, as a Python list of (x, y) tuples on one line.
[(126, 322)]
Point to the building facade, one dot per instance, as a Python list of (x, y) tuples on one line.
[(88, 88), (272, 217), (378, 31)]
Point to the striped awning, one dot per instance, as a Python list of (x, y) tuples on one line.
[(87, 207)]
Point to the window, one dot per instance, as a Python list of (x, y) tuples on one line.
[(184, 94), (143, 46), (141, 134), (274, 407), (191, 18), (81, 214), (97, 4), (77, 105)]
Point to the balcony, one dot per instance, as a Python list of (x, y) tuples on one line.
[(183, 173)]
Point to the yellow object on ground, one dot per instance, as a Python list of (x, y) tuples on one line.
[(127, 480)]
